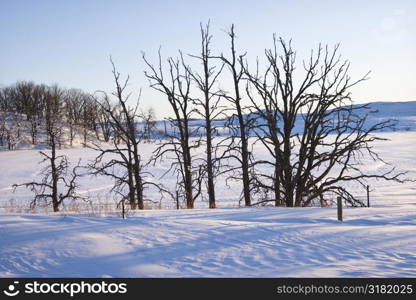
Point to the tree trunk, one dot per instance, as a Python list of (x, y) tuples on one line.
[(55, 175), (244, 143), (277, 201), (132, 198), (85, 136), (211, 189), (71, 134), (244, 157), (188, 186), (138, 178)]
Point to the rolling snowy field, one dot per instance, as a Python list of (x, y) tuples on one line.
[(260, 242), (226, 242)]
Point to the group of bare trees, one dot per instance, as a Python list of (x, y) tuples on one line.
[(314, 136), (325, 150), (56, 184), (58, 116), (26, 108)]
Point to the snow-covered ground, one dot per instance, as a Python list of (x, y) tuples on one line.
[(260, 242), (229, 241), (23, 165)]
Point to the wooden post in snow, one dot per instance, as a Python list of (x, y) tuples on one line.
[(122, 208), (177, 200), (368, 196), (339, 208)]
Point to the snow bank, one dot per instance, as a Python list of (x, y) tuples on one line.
[(246, 242)]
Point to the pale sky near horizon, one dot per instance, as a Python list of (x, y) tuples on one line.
[(69, 42)]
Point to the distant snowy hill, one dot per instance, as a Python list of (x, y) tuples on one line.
[(395, 109), (403, 114)]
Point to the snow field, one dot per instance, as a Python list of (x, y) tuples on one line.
[(227, 242)]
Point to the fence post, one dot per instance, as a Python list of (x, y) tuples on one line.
[(368, 196), (339, 207), (122, 208)]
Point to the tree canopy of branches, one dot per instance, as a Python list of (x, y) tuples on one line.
[(208, 107), (303, 114), (326, 151), (55, 173), (24, 108), (124, 153), (239, 125), (177, 90)]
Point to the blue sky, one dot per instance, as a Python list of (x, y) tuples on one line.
[(69, 42)]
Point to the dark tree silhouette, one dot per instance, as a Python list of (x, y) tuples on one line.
[(74, 101), (124, 153), (313, 132), (55, 177), (238, 124), (177, 90), (208, 107), (148, 128)]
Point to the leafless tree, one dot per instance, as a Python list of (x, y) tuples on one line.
[(28, 96), (24, 97), (148, 128), (56, 169), (238, 124), (103, 118), (313, 132), (54, 116), (176, 87), (124, 153), (3, 128), (7, 133), (35, 116), (5, 103), (55, 180), (88, 117), (25, 100), (74, 101), (208, 106)]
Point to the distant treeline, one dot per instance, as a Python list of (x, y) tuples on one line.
[(27, 107)]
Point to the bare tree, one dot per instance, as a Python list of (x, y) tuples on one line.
[(24, 99), (313, 132), (148, 118), (55, 180), (3, 128), (238, 123), (54, 116), (103, 118), (208, 107), (5, 103), (74, 107), (55, 172), (29, 100), (36, 112), (88, 116), (124, 153), (177, 90), (7, 132)]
